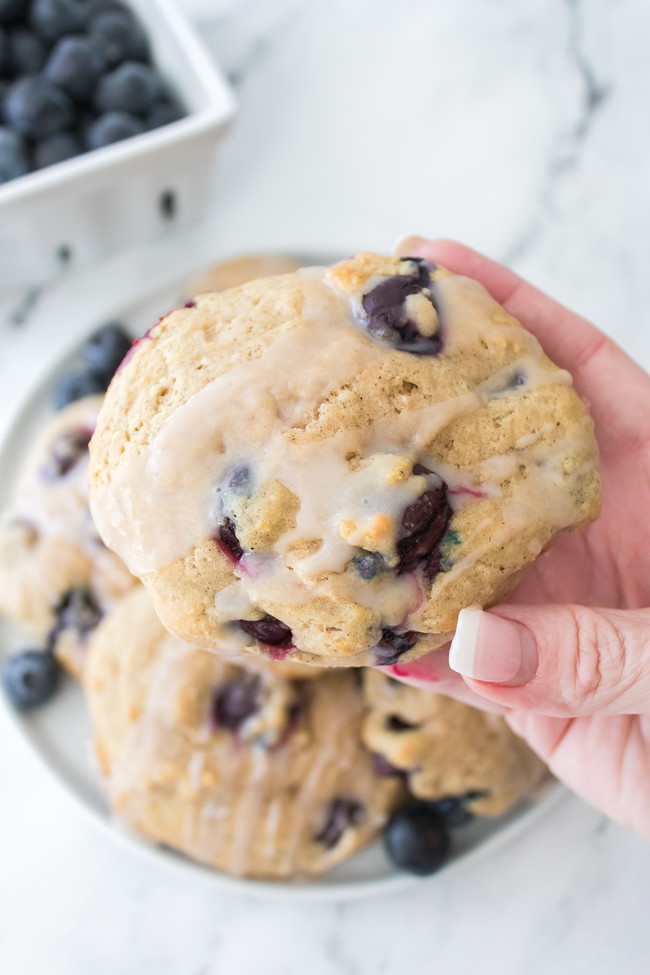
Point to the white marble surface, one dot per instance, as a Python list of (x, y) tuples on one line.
[(521, 128)]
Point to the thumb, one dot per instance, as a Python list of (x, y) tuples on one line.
[(563, 660)]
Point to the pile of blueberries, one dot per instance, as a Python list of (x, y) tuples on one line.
[(74, 75)]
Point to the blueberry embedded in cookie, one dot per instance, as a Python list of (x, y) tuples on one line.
[(401, 310)]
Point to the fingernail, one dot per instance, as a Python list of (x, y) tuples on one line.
[(492, 649), (407, 245)]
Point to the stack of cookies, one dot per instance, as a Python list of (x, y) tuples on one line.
[(310, 474)]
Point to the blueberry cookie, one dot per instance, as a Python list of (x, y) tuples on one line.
[(56, 575), (254, 774), (239, 270), (447, 749), (328, 465)]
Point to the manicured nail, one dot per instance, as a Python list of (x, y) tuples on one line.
[(493, 649), (407, 245)]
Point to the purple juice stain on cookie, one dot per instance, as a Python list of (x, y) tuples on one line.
[(423, 524), (270, 631), (65, 453), (340, 814), (382, 767), (236, 700), (393, 645), (386, 316)]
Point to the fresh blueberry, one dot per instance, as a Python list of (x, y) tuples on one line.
[(268, 630), (77, 610), (75, 66), (105, 349), (65, 453), (13, 155), (236, 701), (56, 148), (369, 565), (132, 87), (393, 645), (386, 317), (228, 541), (112, 127), (75, 386), (26, 52), (163, 113), (30, 678), (119, 37), (423, 524), (36, 108), (416, 839), (452, 810), (54, 18), (12, 10), (4, 53), (340, 814)]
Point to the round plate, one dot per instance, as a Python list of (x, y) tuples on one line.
[(59, 733)]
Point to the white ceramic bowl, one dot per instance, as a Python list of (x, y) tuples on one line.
[(83, 209)]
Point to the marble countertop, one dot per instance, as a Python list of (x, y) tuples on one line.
[(521, 128)]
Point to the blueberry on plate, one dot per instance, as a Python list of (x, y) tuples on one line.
[(56, 148), (36, 108), (416, 839), (26, 52), (12, 10), (132, 87), (106, 348), (75, 66), (4, 52), (118, 37), (13, 155), (112, 127), (452, 810), (54, 18), (76, 385), (30, 678)]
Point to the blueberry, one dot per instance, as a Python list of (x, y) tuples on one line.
[(75, 386), (4, 52), (105, 349), (393, 644), (423, 524), (386, 318), (77, 610), (132, 87), (236, 701), (30, 678), (452, 810), (54, 18), (416, 839), (228, 541), (368, 565), (27, 52), (340, 814), (112, 127), (268, 630), (163, 113), (65, 453), (13, 155), (75, 66), (119, 37), (240, 481), (36, 108), (12, 10), (57, 148)]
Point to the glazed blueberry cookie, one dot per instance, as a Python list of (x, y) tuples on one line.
[(328, 465), (446, 749), (57, 577), (253, 774)]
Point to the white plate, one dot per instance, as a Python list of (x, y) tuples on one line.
[(59, 733)]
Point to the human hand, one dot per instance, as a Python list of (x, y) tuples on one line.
[(573, 680)]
